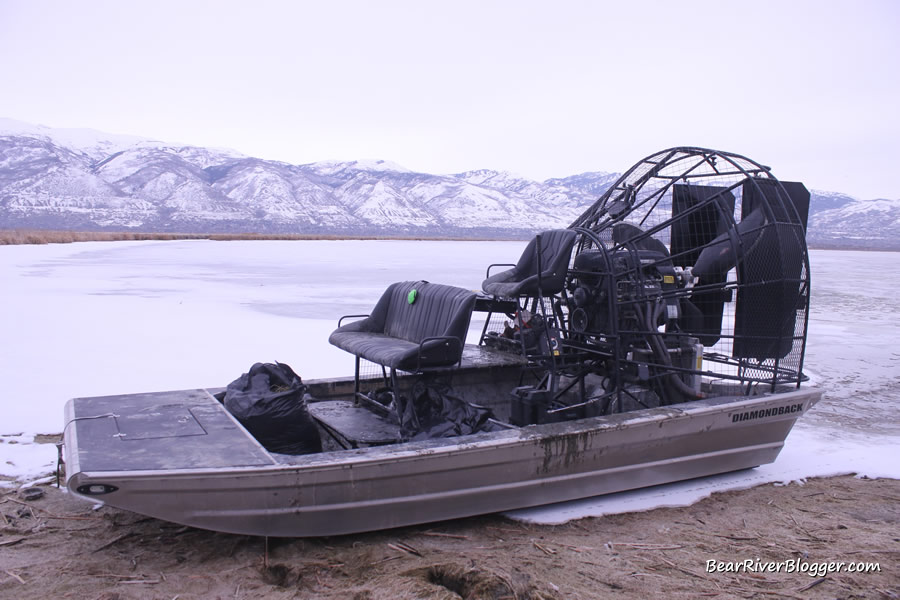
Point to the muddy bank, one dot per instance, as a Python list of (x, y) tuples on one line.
[(58, 546)]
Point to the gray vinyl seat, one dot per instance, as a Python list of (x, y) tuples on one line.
[(541, 270), (423, 334)]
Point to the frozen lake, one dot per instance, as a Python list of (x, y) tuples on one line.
[(103, 318)]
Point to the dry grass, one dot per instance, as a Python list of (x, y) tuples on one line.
[(40, 236)]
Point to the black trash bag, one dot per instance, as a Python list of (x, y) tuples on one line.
[(270, 402), (436, 413)]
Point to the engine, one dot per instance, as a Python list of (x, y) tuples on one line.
[(606, 283), (640, 301)]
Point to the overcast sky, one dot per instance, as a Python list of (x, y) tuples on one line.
[(542, 89)]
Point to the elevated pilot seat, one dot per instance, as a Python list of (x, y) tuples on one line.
[(540, 273)]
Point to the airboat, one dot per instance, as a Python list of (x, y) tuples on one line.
[(660, 337)]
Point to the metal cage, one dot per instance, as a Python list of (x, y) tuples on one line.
[(689, 279)]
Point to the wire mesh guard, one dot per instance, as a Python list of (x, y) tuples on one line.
[(689, 279)]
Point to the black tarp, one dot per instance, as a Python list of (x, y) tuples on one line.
[(435, 412)]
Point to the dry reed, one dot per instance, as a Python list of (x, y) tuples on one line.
[(41, 236)]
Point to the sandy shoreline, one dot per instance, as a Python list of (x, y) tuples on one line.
[(59, 546)]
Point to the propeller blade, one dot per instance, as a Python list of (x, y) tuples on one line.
[(721, 255)]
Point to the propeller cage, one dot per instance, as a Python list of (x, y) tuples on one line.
[(695, 244)]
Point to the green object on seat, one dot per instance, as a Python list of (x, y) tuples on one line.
[(412, 295)]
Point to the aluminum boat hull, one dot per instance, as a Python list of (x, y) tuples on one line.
[(179, 456)]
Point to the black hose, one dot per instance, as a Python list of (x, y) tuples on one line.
[(662, 355)]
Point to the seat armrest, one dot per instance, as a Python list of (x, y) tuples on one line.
[(487, 275), (451, 340), (341, 320)]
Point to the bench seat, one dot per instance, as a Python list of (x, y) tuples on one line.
[(415, 326), (378, 348)]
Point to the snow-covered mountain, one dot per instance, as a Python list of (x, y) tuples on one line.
[(85, 179), (82, 179), (839, 221)]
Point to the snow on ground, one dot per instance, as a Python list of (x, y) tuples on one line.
[(806, 454), (103, 318)]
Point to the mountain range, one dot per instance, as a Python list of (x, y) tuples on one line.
[(74, 179)]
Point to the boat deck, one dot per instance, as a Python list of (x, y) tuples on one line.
[(138, 430)]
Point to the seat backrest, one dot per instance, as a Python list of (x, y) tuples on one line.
[(435, 310), (556, 250)]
